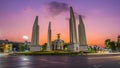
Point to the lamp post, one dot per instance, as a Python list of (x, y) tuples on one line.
[(26, 42)]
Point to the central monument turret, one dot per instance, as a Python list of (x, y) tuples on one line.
[(58, 43)]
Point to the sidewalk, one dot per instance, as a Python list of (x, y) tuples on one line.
[(105, 53), (3, 54)]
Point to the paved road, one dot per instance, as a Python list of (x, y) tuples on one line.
[(96, 61)]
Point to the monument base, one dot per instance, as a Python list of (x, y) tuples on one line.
[(35, 48), (73, 47), (83, 47), (48, 49)]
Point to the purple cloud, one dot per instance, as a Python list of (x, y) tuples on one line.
[(56, 8)]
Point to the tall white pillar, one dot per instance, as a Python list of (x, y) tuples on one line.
[(49, 38), (82, 35), (35, 36), (73, 46)]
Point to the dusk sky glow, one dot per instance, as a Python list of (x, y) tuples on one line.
[(101, 19)]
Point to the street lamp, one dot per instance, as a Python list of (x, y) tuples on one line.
[(26, 42), (25, 38)]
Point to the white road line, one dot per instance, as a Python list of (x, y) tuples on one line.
[(118, 62), (97, 66), (43, 59)]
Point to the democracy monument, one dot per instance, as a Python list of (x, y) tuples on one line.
[(74, 44)]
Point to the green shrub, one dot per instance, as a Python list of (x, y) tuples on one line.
[(47, 53)]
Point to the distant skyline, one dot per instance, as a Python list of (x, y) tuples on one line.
[(101, 19)]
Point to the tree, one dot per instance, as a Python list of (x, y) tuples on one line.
[(90, 48), (44, 46), (21, 47), (118, 43), (112, 46), (107, 43), (65, 47)]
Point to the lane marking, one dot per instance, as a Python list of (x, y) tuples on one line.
[(97, 66), (43, 59), (118, 62), (55, 62)]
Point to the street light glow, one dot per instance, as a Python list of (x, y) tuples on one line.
[(25, 37)]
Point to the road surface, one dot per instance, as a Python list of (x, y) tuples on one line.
[(90, 61)]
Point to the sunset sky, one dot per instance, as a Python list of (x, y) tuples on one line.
[(101, 19)]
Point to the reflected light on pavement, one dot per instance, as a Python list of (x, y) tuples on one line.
[(24, 59)]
